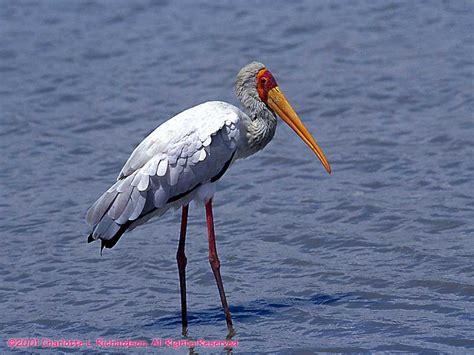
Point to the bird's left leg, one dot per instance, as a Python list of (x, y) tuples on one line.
[(215, 265), (182, 261)]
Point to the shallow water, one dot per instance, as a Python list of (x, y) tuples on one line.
[(377, 256)]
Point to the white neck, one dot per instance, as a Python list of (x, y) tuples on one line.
[(260, 129)]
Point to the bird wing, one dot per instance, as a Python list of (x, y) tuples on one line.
[(186, 133), (192, 148)]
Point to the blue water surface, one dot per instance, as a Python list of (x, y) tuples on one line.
[(376, 257)]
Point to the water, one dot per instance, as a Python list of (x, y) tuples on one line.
[(377, 256)]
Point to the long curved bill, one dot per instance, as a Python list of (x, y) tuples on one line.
[(278, 103)]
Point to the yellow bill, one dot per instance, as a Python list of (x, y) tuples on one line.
[(278, 103)]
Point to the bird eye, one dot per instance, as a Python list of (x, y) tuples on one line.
[(264, 81)]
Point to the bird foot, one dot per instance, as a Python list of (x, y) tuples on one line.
[(231, 333)]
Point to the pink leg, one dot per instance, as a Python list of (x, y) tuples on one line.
[(215, 265), (182, 261)]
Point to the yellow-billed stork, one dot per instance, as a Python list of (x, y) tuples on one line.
[(183, 159)]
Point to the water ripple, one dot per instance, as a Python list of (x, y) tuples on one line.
[(376, 257)]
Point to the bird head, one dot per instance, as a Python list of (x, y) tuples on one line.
[(258, 91)]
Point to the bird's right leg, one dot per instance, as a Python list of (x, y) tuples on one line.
[(182, 261), (216, 265)]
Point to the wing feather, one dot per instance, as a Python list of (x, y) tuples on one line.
[(119, 204), (188, 150), (138, 207)]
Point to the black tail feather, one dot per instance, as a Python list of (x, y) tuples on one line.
[(111, 242)]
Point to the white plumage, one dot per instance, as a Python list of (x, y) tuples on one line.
[(181, 159), (170, 167), (184, 157)]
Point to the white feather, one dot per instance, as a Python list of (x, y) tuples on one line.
[(207, 141), (143, 184), (139, 207), (162, 167), (152, 166), (202, 155), (184, 152)]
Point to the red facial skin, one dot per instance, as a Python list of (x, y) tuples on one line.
[(265, 82)]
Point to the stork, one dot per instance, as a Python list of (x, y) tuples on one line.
[(183, 159)]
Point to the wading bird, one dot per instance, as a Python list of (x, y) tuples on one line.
[(182, 160)]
